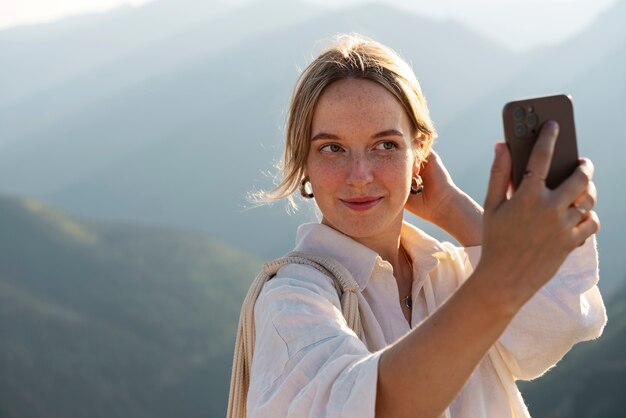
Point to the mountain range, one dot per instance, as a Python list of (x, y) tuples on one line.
[(131, 138), (169, 114), (163, 116), (102, 320)]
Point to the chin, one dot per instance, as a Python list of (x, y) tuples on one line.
[(375, 223)]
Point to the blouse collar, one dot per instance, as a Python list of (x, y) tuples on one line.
[(320, 239)]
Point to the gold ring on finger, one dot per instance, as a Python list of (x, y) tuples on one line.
[(582, 211), (529, 173)]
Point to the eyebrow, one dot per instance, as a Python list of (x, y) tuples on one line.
[(388, 132)]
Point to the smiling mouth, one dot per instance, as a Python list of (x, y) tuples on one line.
[(361, 203)]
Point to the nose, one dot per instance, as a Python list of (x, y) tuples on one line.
[(360, 171)]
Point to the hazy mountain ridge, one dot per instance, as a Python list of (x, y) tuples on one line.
[(118, 320), (129, 66), (77, 45), (113, 319), (598, 88), (185, 143), (121, 320), (105, 151)]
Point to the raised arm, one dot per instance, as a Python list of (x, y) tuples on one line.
[(525, 239), (447, 206)]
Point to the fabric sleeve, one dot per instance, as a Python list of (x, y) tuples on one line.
[(307, 361), (566, 310)]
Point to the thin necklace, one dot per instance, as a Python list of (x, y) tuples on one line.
[(408, 301)]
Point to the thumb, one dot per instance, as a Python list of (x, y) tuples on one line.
[(500, 177)]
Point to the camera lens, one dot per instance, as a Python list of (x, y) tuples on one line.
[(520, 130), (518, 114), (532, 120)]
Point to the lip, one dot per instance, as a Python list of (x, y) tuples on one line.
[(361, 203)]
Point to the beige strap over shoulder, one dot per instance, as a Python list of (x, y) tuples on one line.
[(244, 345)]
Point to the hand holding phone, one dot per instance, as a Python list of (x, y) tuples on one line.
[(523, 120), (526, 237)]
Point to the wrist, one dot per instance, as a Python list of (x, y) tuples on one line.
[(461, 217), (499, 295), (447, 206)]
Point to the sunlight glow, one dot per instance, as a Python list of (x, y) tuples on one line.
[(29, 12)]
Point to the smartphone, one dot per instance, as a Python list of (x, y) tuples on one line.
[(523, 120)]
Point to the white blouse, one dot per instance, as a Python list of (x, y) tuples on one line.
[(308, 363)]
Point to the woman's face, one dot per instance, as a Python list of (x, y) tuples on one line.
[(361, 160)]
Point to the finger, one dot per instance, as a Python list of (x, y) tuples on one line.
[(588, 198), (433, 157), (583, 205), (538, 165), (429, 161), (576, 214), (579, 211), (577, 183), (588, 162), (586, 228), (499, 178)]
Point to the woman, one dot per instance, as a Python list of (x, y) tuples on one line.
[(446, 330)]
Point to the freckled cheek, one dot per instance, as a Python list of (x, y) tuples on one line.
[(397, 170), (396, 181), (325, 177)]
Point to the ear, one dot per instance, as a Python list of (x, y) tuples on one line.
[(417, 162), (416, 165)]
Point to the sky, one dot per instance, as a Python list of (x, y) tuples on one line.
[(24, 12), (516, 24)]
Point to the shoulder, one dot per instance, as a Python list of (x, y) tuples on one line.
[(300, 307), (465, 257), (452, 264), (433, 254), (295, 286)]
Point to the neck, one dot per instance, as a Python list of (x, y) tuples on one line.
[(391, 251), (387, 246)]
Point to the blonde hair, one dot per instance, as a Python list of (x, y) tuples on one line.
[(350, 56)]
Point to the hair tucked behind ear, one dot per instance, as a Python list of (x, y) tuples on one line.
[(349, 56)]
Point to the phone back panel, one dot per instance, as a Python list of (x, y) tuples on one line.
[(522, 122)]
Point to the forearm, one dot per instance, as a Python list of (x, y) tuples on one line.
[(423, 372), (462, 218)]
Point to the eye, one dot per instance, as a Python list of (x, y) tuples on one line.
[(332, 148), (386, 146)]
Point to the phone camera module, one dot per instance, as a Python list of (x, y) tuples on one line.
[(518, 114), (520, 130)]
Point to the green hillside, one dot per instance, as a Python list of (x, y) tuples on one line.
[(110, 320), (174, 109), (591, 379)]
